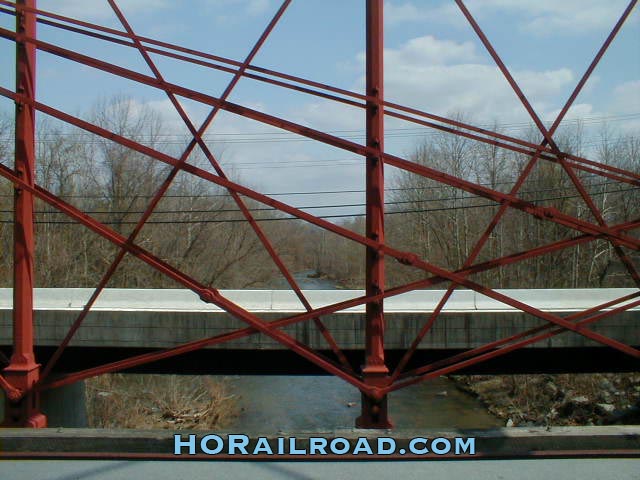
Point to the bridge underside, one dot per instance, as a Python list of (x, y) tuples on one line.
[(285, 362), (385, 358)]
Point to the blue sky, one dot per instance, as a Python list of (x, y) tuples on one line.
[(433, 61)]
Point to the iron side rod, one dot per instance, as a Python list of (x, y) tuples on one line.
[(198, 344), (546, 213), (548, 135), (346, 93), (520, 181), (264, 239)]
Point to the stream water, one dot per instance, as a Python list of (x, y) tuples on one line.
[(303, 403)]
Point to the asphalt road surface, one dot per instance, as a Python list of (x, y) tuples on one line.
[(583, 469)]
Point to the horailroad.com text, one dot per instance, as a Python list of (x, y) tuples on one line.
[(237, 444)]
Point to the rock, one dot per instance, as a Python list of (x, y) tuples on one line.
[(551, 389), (606, 407), (577, 408), (605, 397), (605, 384), (509, 423), (491, 385)]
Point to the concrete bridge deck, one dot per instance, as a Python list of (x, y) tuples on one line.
[(164, 318), (125, 322)]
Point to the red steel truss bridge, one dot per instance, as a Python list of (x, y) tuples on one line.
[(24, 378)]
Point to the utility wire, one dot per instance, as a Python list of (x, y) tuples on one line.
[(329, 192), (311, 207), (354, 133), (396, 212)]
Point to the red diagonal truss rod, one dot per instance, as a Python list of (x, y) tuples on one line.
[(477, 249), (212, 296), (303, 81), (22, 380), (545, 213), (197, 140), (408, 258), (400, 255)]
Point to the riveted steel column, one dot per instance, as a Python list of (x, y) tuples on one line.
[(23, 371), (375, 372)]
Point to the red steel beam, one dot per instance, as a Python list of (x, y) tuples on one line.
[(551, 214), (530, 153), (548, 135), (314, 84), (595, 211), (23, 371), (504, 341), (581, 166), (410, 259), (373, 105), (198, 344), (546, 213), (502, 351), (207, 294), (13, 394), (374, 410), (226, 337), (491, 293), (163, 189), (401, 256), (582, 161), (266, 243), (514, 191)]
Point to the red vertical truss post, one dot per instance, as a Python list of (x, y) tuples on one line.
[(375, 372), (23, 371)]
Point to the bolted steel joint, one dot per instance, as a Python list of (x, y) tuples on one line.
[(408, 259), (208, 295), (15, 395)]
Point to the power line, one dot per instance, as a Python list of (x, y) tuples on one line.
[(325, 192), (279, 137), (312, 207), (396, 212)]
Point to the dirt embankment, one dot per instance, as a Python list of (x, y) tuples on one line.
[(544, 400), (159, 401), (194, 402)]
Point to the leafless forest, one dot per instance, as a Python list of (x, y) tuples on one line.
[(199, 229)]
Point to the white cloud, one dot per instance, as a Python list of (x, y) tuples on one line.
[(473, 88), (229, 11), (429, 50), (407, 12), (628, 96), (442, 76), (477, 92), (626, 101), (577, 111), (536, 16), (257, 7), (99, 10), (574, 16)]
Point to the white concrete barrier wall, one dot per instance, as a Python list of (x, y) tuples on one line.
[(165, 318), (175, 300)]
